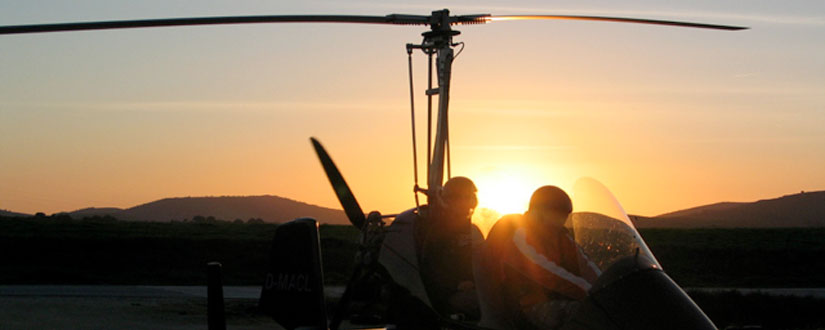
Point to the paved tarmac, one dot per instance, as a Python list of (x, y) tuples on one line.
[(254, 292), (818, 293), (168, 307), (124, 307), (133, 291)]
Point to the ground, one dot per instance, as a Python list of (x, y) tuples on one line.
[(121, 307)]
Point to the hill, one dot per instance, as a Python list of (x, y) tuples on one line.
[(701, 210), (267, 208), (94, 211), (6, 213), (272, 209), (806, 209)]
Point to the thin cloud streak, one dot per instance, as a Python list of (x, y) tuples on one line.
[(514, 147), (517, 112), (195, 106)]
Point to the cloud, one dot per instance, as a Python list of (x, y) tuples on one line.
[(551, 110), (514, 147), (197, 106)]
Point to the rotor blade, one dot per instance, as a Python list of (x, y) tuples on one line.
[(345, 196), (615, 19), (396, 19), (393, 19)]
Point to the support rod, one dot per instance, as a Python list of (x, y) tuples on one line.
[(444, 61), (412, 120)]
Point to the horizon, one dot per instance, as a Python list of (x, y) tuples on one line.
[(666, 118), (478, 213)]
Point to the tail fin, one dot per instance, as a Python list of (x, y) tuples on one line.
[(293, 293)]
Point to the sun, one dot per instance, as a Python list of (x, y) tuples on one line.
[(504, 193), (500, 193)]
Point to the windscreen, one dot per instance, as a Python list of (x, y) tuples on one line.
[(601, 227)]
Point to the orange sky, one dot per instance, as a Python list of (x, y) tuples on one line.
[(667, 118)]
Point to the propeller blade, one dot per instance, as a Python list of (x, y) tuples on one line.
[(345, 196), (494, 18), (396, 19)]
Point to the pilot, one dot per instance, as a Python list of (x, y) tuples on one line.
[(535, 271), (446, 249)]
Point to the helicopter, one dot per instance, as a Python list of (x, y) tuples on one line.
[(387, 270)]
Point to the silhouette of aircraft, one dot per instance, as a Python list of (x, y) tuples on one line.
[(386, 288)]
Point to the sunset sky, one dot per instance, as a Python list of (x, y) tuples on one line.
[(667, 118)]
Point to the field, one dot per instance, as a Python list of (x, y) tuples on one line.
[(50, 251), (99, 251), (784, 258), (64, 251)]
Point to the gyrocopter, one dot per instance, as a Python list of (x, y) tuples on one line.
[(387, 288)]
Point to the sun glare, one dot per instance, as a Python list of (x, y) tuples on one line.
[(504, 194), (499, 194)]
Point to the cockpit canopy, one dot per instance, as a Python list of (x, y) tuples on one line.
[(601, 227)]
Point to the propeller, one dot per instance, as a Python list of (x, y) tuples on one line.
[(392, 19), (345, 196)]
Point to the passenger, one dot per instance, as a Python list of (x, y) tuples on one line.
[(445, 254), (534, 271)]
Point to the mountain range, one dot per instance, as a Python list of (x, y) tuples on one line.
[(267, 208), (805, 209), (7, 213)]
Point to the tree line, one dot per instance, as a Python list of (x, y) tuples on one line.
[(64, 217)]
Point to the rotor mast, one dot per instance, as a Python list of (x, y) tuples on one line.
[(439, 41)]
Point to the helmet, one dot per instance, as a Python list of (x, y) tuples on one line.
[(457, 186), (551, 197), (462, 189)]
